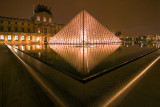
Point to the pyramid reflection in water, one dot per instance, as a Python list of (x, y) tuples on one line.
[(84, 59), (84, 29)]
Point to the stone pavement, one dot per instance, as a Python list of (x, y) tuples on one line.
[(17, 88)]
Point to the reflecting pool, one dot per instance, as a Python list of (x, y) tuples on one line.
[(82, 62)]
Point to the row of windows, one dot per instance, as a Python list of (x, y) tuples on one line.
[(24, 47), (43, 31), (44, 19), (16, 29), (16, 37), (14, 23)]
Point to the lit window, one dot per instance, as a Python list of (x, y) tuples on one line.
[(50, 20), (16, 47), (44, 19), (37, 38), (23, 48), (38, 18), (38, 46), (9, 37), (22, 37), (16, 37), (29, 47), (2, 37), (39, 31), (29, 37), (39, 54)]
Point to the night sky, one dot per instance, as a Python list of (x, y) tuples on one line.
[(131, 17)]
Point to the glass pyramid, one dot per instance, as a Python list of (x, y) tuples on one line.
[(84, 29)]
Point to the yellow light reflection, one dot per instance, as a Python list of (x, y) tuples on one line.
[(39, 79), (84, 59), (114, 97)]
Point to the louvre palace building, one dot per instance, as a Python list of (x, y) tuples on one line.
[(38, 29)]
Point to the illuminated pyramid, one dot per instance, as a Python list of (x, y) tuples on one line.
[(84, 29)]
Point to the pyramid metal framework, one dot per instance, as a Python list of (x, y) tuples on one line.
[(84, 29)]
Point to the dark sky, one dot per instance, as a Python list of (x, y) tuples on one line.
[(131, 17)]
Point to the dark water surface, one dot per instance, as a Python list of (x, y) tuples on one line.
[(85, 61)]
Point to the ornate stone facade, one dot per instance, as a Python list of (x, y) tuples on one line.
[(38, 29)]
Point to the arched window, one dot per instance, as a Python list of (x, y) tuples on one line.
[(22, 38), (44, 19), (1, 37), (16, 37), (38, 18), (39, 30), (50, 20), (9, 37), (29, 37)]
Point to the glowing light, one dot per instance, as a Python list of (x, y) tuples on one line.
[(38, 18), (44, 19), (22, 37), (90, 55), (39, 54), (38, 46), (37, 38), (84, 28), (29, 37), (50, 20), (16, 47), (29, 47), (2, 37), (9, 37), (39, 31), (33, 38), (16, 37), (23, 48)]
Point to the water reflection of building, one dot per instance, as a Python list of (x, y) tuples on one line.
[(30, 47), (152, 37), (84, 29), (38, 29), (149, 38), (84, 59)]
